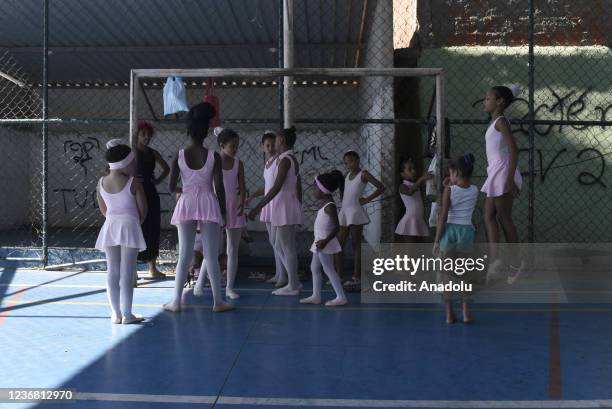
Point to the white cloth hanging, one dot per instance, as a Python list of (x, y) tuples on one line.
[(430, 185), (175, 96)]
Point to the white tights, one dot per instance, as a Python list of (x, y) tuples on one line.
[(280, 274), (121, 265), (284, 246), (210, 244), (325, 262), (232, 246)]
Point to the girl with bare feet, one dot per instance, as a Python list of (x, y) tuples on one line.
[(455, 232)]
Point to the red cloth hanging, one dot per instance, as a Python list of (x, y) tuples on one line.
[(213, 100)]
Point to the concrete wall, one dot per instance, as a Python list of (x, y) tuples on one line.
[(15, 171), (78, 164), (572, 191), (505, 22)]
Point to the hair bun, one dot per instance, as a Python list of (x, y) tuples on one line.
[(203, 110), (515, 89), (114, 142), (217, 130)]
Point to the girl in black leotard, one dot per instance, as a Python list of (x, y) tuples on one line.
[(148, 158)]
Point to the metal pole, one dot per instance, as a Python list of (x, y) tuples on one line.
[(281, 98), (440, 131), (530, 229), (288, 59), (133, 106), (45, 141)]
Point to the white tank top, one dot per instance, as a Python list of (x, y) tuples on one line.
[(463, 202)]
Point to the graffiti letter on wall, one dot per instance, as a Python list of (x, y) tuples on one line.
[(81, 150), (587, 178)]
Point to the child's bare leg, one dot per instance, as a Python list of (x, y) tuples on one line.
[(450, 314), (467, 316)]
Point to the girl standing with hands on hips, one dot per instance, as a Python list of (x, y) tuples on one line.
[(285, 195), (352, 214), (198, 204), (123, 202), (503, 181)]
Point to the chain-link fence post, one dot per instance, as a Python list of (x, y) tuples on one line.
[(45, 141)]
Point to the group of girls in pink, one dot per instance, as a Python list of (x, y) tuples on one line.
[(213, 196)]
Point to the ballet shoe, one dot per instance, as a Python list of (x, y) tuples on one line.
[(223, 307), (132, 319), (286, 290), (232, 295), (171, 307), (336, 302), (311, 300)]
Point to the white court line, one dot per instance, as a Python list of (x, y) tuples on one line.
[(376, 403), (128, 397), (140, 285)]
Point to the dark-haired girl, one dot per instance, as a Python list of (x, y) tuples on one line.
[(233, 181), (503, 177), (198, 204), (352, 215), (147, 159), (454, 230), (326, 244), (285, 197), (412, 225), (123, 203), (268, 141)]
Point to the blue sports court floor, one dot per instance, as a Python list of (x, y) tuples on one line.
[(55, 332)]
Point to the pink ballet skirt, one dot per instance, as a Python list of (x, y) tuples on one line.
[(286, 208), (122, 224), (124, 230), (498, 160), (497, 173), (198, 200), (413, 221), (232, 198), (268, 174)]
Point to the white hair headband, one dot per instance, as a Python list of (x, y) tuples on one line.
[(114, 142), (122, 163), (321, 187), (516, 90)]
